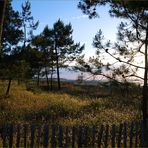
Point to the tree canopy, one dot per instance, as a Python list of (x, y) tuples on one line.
[(132, 31), (57, 47)]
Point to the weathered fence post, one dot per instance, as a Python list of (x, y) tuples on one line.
[(80, 137), (25, 135), (120, 135), (18, 136), (100, 136), (4, 135), (60, 136), (136, 134), (125, 135), (131, 134), (32, 135), (53, 140), (46, 136), (106, 136), (144, 133), (38, 136), (73, 136), (93, 136), (11, 130), (113, 135), (86, 136), (66, 139)]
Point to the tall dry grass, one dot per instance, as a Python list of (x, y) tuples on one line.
[(74, 105)]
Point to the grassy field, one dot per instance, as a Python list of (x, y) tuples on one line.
[(73, 105)]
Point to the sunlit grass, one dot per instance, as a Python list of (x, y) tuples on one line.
[(73, 107)]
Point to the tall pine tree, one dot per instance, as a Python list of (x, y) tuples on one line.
[(12, 35)]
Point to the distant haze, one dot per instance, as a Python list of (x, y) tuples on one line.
[(69, 74)]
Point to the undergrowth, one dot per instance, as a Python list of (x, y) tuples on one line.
[(73, 105)]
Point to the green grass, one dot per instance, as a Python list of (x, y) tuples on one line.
[(73, 105)]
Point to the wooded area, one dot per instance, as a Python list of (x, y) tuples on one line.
[(33, 60)]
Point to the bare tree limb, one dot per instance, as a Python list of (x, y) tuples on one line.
[(118, 59), (132, 75)]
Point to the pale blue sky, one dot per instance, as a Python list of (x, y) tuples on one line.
[(84, 29)]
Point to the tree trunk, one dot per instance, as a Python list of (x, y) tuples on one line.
[(57, 65), (24, 36), (38, 78), (8, 88), (2, 15), (51, 80), (144, 92), (47, 80)]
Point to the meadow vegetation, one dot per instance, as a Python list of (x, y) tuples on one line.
[(72, 105)]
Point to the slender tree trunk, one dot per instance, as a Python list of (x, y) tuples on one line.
[(58, 73), (24, 36), (2, 16), (145, 79), (38, 78), (47, 80), (145, 95), (8, 88), (51, 80)]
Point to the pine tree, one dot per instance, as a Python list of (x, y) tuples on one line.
[(2, 16), (28, 22), (133, 30), (58, 48), (64, 46), (12, 35)]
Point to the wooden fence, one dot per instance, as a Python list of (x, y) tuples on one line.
[(123, 135)]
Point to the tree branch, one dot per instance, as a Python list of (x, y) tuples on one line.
[(132, 18), (124, 61), (132, 75)]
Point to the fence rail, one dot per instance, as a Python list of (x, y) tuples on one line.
[(123, 135)]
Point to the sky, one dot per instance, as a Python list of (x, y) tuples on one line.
[(84, 29)]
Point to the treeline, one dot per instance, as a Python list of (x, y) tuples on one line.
[(24, 55)]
